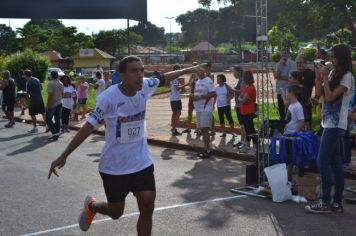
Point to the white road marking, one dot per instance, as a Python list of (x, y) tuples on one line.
[(137, 213)]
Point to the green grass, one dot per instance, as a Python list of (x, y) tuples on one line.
[(91, 94)]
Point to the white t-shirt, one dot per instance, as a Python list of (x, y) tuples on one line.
[(294, 114), (101, 88), (335, 112), (126, 149), (203, 87), (222, 96), (175, 94), (68, 94)]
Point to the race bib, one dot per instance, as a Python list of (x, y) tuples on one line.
[(132, 131)]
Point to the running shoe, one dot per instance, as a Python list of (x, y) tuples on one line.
[(86, 216), (205, 154), (337, 207), (10, 124), (33, 131), (237, 144), (319, 208), (175, 132), (223, 135), (53, 137), (187, 131)]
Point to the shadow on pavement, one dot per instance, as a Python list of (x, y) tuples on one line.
[(35, 143), (211, 177)]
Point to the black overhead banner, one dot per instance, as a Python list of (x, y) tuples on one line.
[(74, 9)]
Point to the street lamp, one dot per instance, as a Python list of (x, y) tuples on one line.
[(170, 36)]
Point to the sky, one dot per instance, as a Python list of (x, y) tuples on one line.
[(157, 11)]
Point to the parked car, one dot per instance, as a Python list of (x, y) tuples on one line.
[(59, 70)]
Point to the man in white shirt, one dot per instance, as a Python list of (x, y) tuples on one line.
[(99, 85), (125, 164), (204, 94), (282, 72), (97, 69)]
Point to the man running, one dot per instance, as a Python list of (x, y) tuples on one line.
[(125, 163)]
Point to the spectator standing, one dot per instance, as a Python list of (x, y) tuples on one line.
[(67, 102), (204, 94), (107, 79), (96, 70), (21, 91), (99, 85), (176, 103), (36, 105), (192, 81), (282, 72), (224, 95), (82, 93), (308, 81), (238, 74), (115, 77), (8, 88), (55, 90), (248, 105), (337, 90)]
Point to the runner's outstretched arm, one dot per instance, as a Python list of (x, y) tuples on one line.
[(176, 73), (82, 134)]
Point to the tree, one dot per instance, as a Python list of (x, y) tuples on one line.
[(28, 59), (115, 41), (42, 35), (152, 35), (8, 41), (198, 25), (282, 38), (67, 41), (308, 19)]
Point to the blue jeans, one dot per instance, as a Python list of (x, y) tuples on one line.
[(56, 112), (330, 163)]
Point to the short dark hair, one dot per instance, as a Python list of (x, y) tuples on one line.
[(208, 64), (297, 75), (285, 49), (248, 77), (64, 77), (238, 68), (222, 77), (123, 63), (98, 74), (28, 73), (54, 74), (293, 89), (322, 52)]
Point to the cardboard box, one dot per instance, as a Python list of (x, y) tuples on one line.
[(309, 186)]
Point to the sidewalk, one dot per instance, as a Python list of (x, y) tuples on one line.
[(158, 117)]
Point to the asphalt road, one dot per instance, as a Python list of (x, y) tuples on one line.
[(193, 195)]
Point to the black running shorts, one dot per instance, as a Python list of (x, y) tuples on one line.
[(117, 187)]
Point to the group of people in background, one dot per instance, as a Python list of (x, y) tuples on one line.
[(63, 96), (204, 96)]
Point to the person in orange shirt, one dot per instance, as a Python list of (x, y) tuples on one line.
[(247, 109)]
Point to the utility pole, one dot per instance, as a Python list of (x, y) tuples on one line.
[(128, 37), (170, 37)]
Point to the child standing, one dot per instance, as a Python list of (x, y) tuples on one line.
[(67, 102), (224, 94)]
